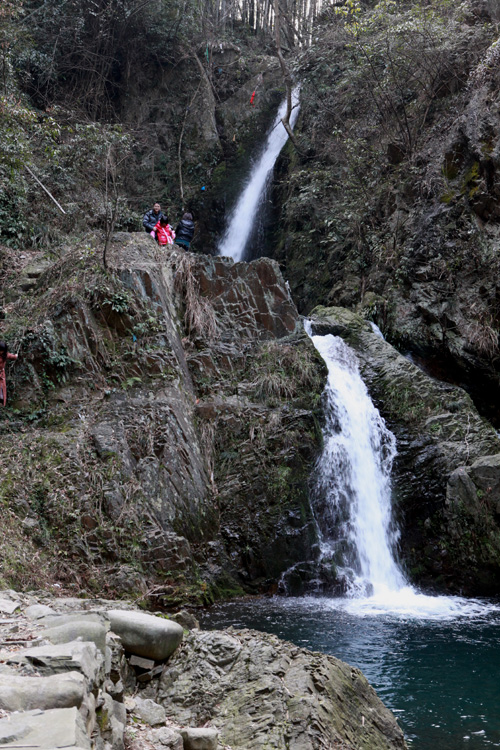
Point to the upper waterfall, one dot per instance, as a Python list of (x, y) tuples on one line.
[(242, 217)]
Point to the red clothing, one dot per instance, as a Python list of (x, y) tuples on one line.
[(3, 384), (164, 234), (252, 98)]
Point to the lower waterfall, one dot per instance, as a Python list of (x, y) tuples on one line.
[(430, 658), (353, 478), (351, 497)]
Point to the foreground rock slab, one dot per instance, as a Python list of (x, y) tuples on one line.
[(145, 635), (27, 693), (67, 657), (261, 692), (59, 728)]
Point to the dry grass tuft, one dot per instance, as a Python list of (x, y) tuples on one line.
[(482, 338), (199, 316), (284, 370)]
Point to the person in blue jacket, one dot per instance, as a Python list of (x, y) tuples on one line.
[(185, 231)]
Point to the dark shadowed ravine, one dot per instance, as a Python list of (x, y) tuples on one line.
[(437, 673)]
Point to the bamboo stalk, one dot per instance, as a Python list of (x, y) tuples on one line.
[(44, 188)]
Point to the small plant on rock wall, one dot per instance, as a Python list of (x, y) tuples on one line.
[(118, 302)]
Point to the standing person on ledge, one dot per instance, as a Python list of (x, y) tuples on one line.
[(151, 219), (185, 231), (4, 356)]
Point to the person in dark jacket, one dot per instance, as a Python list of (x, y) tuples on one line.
[(185, 231), (151, 218)]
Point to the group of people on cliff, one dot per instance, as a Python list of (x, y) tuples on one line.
[(155, 223)]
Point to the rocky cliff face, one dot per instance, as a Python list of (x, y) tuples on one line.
[(197, 120), (160, 434), (446, 474)]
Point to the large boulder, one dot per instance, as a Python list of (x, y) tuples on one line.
[(259, 691), (146, 635)]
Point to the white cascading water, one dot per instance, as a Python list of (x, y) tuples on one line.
[(243, 216), (353, 475), (353, 482)]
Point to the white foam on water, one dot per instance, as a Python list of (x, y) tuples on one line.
[(409, 603)]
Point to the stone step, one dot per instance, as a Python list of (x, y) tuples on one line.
[(80, 656), (29, 693), (58, 728)]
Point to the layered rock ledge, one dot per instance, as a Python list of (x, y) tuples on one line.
[(164, 426)]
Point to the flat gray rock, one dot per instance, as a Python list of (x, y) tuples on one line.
[(67, 657), (8, 607), (56, 691), (146, 635), (35, 611), (165, 738), (56, 618), (60, 728), (206, 738), (149, 712), (186, 619), (140, 661), (71, 631)]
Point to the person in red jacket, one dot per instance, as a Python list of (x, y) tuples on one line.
[(4, 356), (165, 235)]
